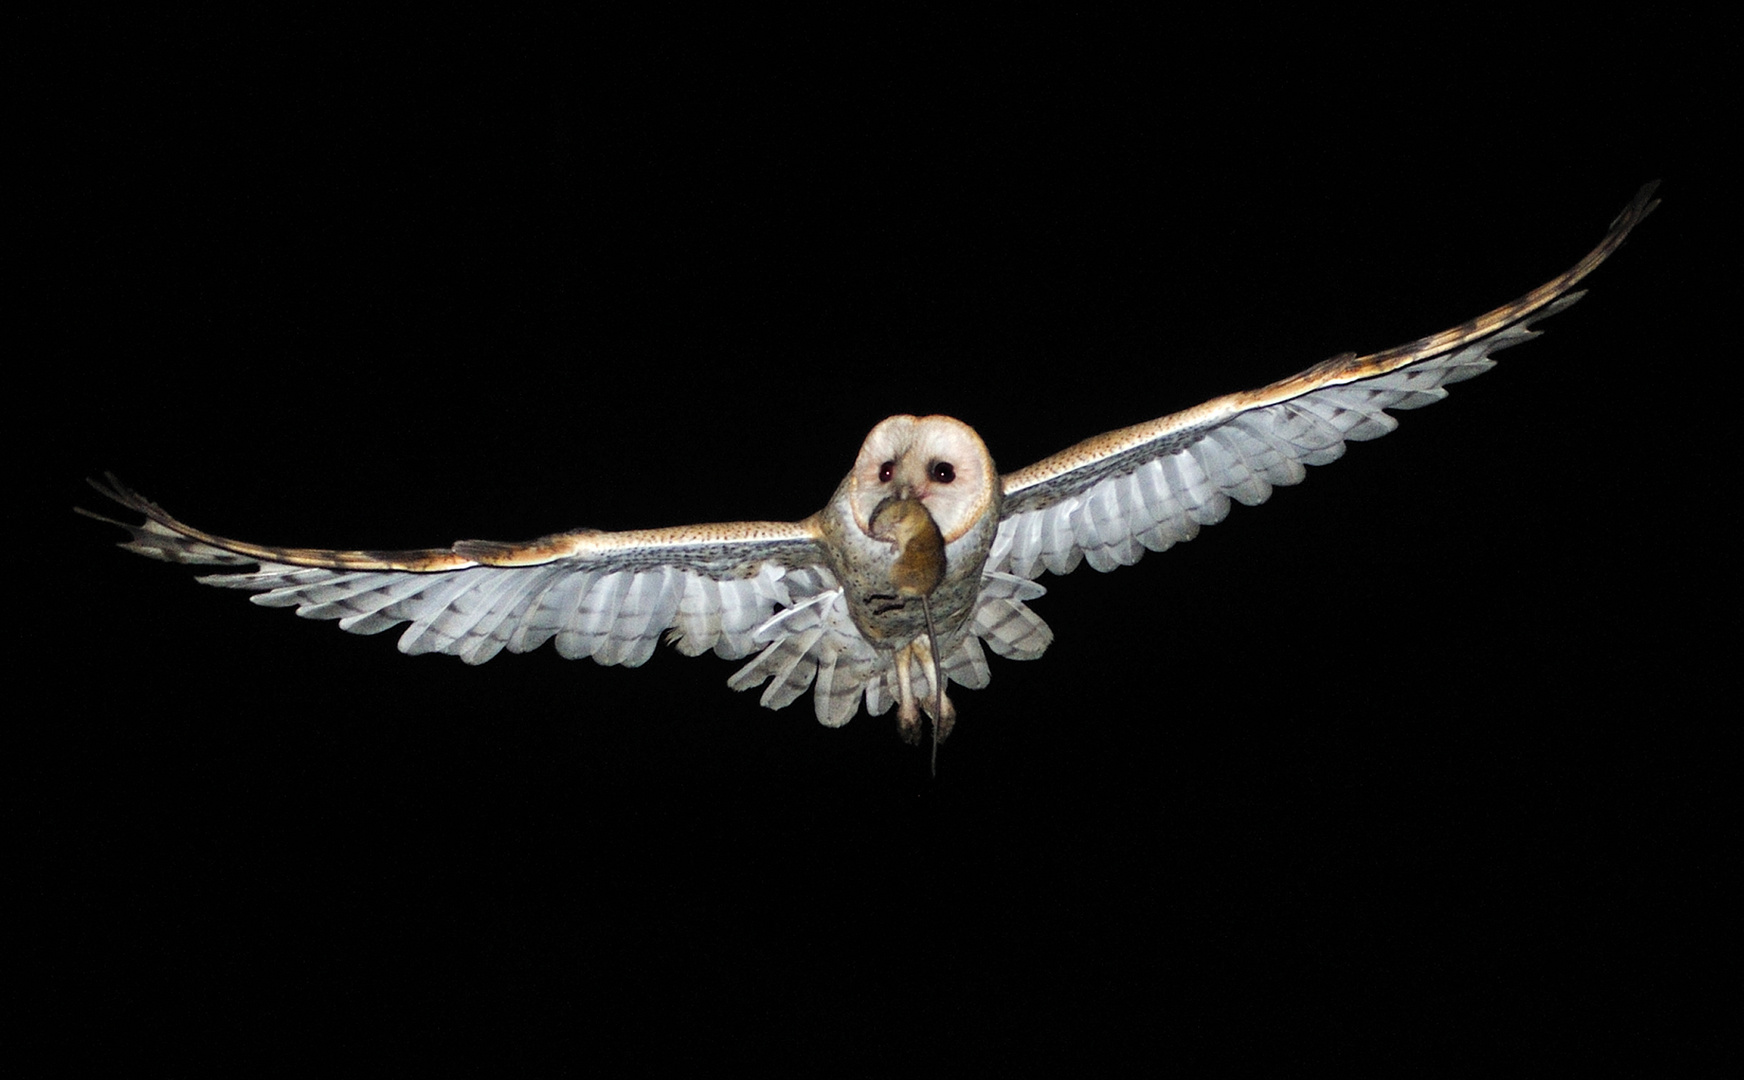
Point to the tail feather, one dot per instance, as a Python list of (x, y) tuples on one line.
[(815, 644)]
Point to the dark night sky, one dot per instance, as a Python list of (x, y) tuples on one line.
[(1412, 756)]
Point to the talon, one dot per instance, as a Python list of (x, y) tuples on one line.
[(945, 723), (908, 723)]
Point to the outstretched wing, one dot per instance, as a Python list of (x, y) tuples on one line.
[(1108, 499), (608, 595)]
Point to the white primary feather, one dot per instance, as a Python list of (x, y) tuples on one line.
[(768, 587), (1107, 508)]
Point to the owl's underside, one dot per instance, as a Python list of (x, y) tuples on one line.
[(834, 602)]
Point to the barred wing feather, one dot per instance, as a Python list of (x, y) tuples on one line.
[(1109, 499), (767, 588), (605, 595)]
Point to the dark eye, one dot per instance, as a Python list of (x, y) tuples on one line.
[(886, 471), (943, 472)]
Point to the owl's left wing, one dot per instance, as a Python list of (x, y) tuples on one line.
[(1108, 499), (608, 595)]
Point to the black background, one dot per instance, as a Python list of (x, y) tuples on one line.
[(1415, 759)]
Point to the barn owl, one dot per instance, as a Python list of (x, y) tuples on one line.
[(924, 554)]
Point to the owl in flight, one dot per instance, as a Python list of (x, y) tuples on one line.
[(924, 552)]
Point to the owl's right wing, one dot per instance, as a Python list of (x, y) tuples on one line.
[(1108, 499), (608, 595)]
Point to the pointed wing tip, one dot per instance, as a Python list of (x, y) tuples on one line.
[(111, 488), (94, 516), (1644, 197), (1639, 207)]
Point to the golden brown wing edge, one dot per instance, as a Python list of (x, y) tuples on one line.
[(1344, 368), (458, 556)]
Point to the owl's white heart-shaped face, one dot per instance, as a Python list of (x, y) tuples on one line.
[(936, 459)]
